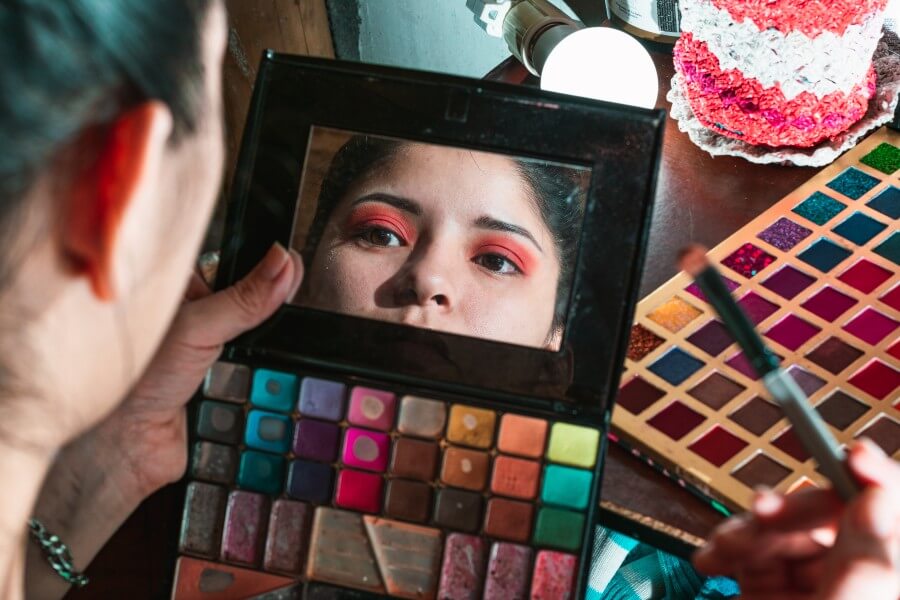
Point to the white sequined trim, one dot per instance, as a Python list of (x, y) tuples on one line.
[(825, 64)]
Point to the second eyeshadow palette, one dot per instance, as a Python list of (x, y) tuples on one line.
[(362, 487)]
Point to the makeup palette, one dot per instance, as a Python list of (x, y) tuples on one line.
[(818, 275), (347, 454)]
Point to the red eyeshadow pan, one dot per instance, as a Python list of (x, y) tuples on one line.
[(871, 326), (718, 446), (829, 303), (865, 276), (876, 379), (676, 420), (748, 260), (790, 444), (895, 350), (892, 298), (792, 332), (637, 395), (757, 307)]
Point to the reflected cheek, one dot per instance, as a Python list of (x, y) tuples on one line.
[(350, 277)]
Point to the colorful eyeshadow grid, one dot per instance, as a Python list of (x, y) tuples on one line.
[(284, 465), (818, 274)]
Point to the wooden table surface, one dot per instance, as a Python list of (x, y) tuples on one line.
[(699, 198)]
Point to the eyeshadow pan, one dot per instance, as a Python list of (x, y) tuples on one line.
[(792, 332), (471, 426), (828, 303), (695, 290), (675, 366), (819, 208), (757, 415), (840, 410), (371, 408), (716, 390), (718, 445), (508, 519), (204, 509), (674, 314), (421, 417), (807, 381), (676, 420), (458, 510), (413, 569), (885, 158), (885, 432), (261, 472), (310, 481), (554, 575), (558, 528), (522, 435), (268, 431), (316, 440), (637, 395), (415, 459), (642, 342), (515, 477), (227, 381), (790, 444), (712, 338), (463, 468), (824, 255), (407, 500), (573, 445), (890, 248), (859, 228), (286, 541), (213, 462), (756, 307), (508, 572), (748, 260), (340, 552), (274, 390), (865, 276), (853, 183), (245, 524), (364, 449), (871, 326), (788, 282), (739, 363), (566, 487), (358, 491), (462, 571), (195, 578), (761, 470), (887, 202), (834, 355), (784, 234), (892, 298), (876, 379), (322, 398), (220, 422), (895, 350)]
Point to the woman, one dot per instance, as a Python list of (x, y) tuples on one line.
[(109, 115), (473, 243)]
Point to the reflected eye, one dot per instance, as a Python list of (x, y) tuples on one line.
[(378, 236), (497, 263)]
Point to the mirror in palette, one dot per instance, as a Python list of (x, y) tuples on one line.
[(468, 242)]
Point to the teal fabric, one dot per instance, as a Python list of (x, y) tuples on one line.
[(624, 569)]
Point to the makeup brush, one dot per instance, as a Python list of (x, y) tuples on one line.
[(808, 425)]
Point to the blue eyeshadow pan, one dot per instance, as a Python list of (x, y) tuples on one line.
[(890, 248), (675, 366), (859, 228), (819, 208), (853, 183), (887, 202), (824, 255)]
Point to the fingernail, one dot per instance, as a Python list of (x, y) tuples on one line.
[(766, 502), (274, 261)]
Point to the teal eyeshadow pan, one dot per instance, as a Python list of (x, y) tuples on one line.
[(274, 390), (887, 202), (890, 248), (261, 472), (819, 208), (824, 255), (853, 183), (859, 228), (566, 487)]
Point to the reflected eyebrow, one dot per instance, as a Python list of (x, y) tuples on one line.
[(485, 222), (404, 204)]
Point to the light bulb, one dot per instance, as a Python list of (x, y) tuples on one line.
[(603, 64)]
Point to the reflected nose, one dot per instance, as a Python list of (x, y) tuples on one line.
[(427, 281)]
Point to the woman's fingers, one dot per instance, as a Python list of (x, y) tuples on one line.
[(803, 510)]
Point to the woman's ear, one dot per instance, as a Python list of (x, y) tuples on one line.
[(126, 159)]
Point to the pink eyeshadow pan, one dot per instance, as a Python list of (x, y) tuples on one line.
[(359, 491), (895, 350), (739, 363), (829, 303), (748, 260), (892, 298), (676, 420), (788, 282), (718, 446), (695, 290), (871, 326), (865, 276), (366, 449), (757, 307), (372, 408), (792, 332), (876, 379)]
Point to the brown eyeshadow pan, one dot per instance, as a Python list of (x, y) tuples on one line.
[(642, 342), (840, 410), (414, 459), (463, 468), (761, 470), (508, 520), (834, 355), (458, 510), (637, 395), (757, 415), (407, 500), (885, 432), (716, 390)]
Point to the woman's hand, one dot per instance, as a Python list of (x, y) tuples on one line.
[(810, 545), (101, 476)]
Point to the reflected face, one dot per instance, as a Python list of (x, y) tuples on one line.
[(444, 239)]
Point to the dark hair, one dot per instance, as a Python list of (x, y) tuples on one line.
[(558, 191), (70, 65)]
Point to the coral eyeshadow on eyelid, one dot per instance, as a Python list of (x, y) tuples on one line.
[(375, 214)]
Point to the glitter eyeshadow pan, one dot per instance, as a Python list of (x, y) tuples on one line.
[(819, 208), (784, 234), (674, 314), (642, 342), (885, 158), (853, 183), (748, 260)]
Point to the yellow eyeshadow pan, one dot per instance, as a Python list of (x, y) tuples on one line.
[(573, 445), (674, 314), (471, 426)]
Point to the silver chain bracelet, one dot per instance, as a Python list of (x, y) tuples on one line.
[(56, 553)]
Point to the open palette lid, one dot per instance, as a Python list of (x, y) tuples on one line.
[(378, 175)]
